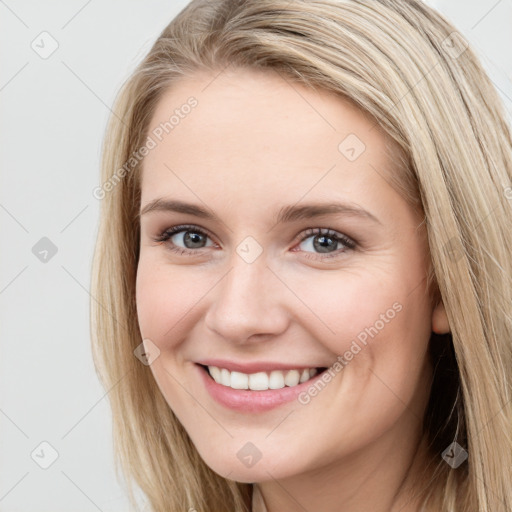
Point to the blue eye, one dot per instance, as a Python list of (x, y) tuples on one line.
[(323, 240), (192, 235)]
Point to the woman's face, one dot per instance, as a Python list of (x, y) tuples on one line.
[(296, 254)]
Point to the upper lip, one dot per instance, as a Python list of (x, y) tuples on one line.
[(255, 366)]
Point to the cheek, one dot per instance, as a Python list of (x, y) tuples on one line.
[(165, 298), (374, 324), (352, 306), (384, 351)]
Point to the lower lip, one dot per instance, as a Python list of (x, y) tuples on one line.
[(244, 400)]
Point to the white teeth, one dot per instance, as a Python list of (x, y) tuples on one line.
[(225, 377), (258, 381), (261, 381), (239, 380), (276, 380), (216, 373), (292, 378)]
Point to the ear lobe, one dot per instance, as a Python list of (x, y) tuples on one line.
[(440, 324)]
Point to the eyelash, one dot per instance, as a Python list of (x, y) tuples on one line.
[(338, 237)]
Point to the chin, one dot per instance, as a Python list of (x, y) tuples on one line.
[(249, 465)]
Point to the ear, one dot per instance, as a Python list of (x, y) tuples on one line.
[(440, 323)]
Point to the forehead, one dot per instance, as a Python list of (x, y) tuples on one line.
[(256, 136)]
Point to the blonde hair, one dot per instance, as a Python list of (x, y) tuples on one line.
[(405, 65)]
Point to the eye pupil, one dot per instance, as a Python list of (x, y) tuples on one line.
[(323, 244), (194, 238)]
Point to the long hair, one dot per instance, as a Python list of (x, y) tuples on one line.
[(405, 65)]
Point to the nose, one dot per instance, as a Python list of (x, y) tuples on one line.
[(247, 305)]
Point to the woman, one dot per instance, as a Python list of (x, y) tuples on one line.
[(302, 279)]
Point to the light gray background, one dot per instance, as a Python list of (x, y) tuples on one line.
[(54, 113)]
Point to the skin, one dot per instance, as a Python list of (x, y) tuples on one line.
[(253, 144)]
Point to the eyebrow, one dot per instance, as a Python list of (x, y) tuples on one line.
[(289, 213)]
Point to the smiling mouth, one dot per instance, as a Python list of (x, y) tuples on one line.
[(261, 381)]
